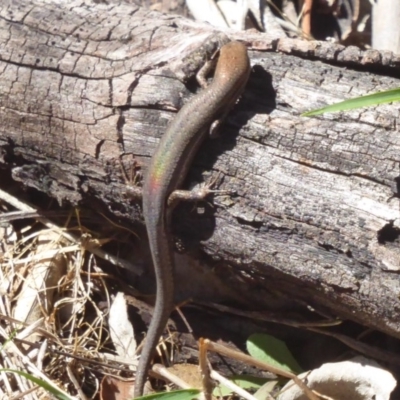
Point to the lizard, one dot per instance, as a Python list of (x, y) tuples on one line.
[(168, 168)]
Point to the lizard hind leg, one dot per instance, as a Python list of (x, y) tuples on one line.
[(197, 194)]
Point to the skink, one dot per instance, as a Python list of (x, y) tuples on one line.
[(168, 168)]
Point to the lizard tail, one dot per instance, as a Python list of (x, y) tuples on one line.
[(163, 266)]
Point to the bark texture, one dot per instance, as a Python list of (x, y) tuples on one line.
[(316, 209)]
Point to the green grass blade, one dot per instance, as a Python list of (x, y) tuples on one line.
[(55, 391), (243, 381), (272, 351), (185, 394), (387, 96)]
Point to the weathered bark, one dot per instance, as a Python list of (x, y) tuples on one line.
[(316, 210)]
